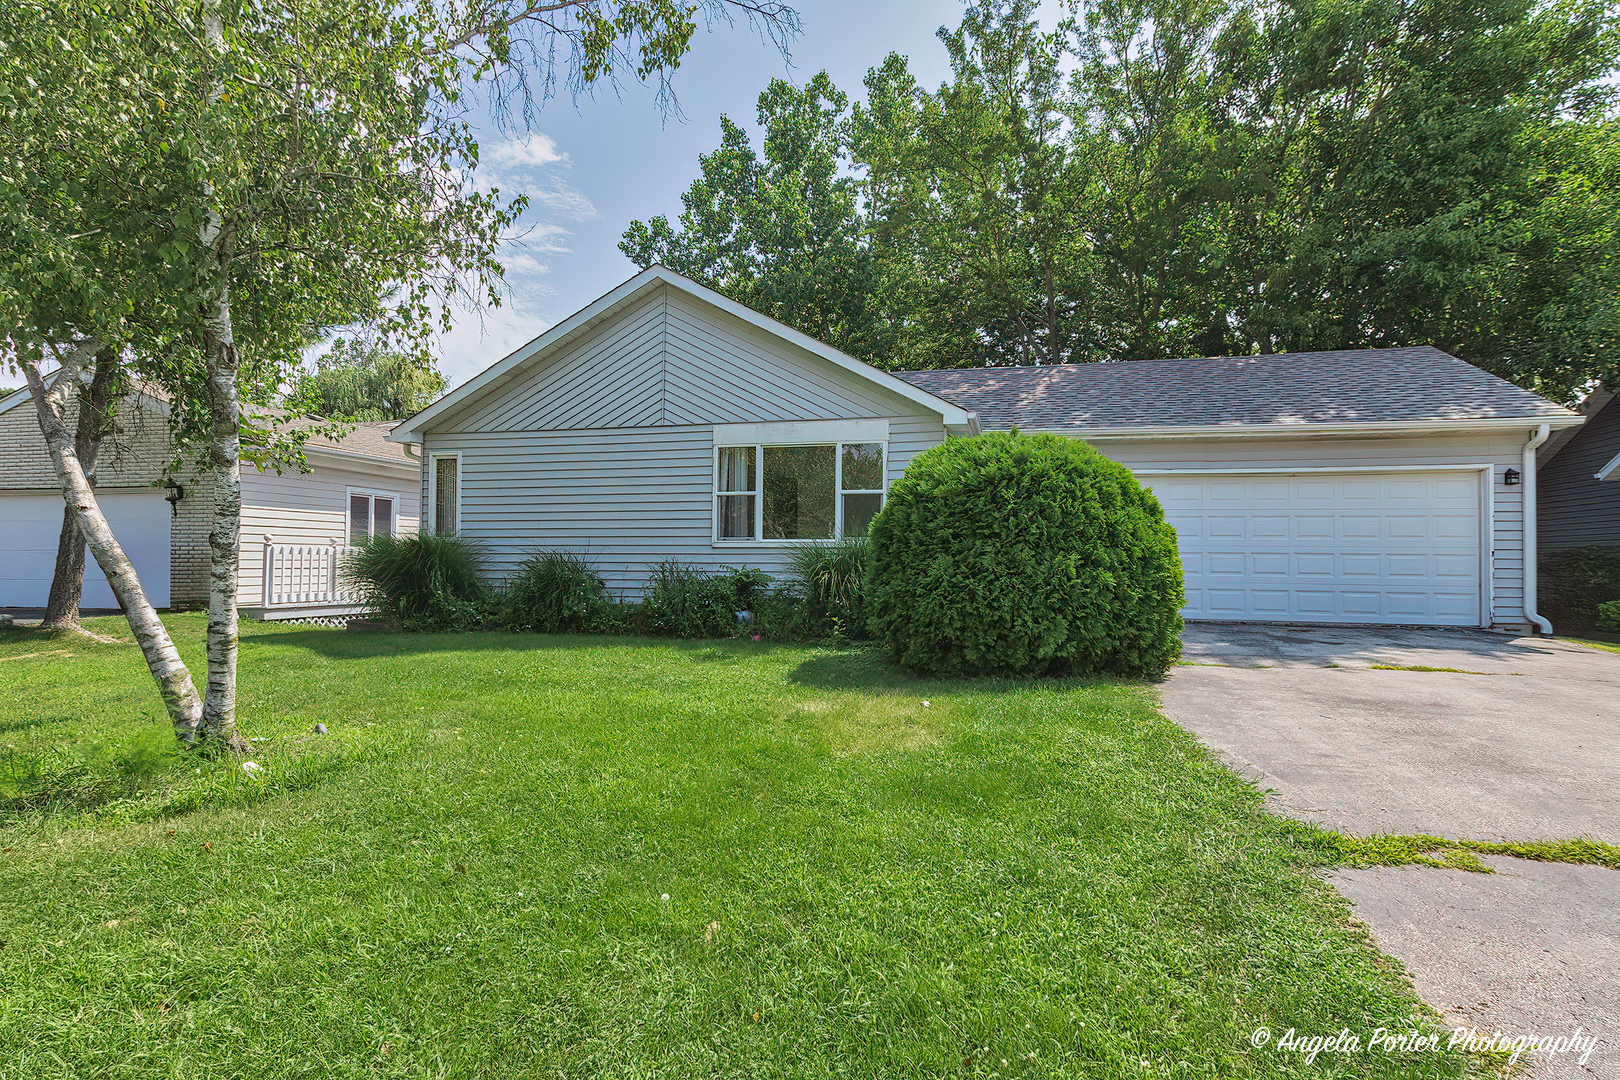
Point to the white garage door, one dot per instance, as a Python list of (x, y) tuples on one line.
[(31, 524), (1387, 547)]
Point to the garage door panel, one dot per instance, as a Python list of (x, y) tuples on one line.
[(31, 524), (1359, 547)]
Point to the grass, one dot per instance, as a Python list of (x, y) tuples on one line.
[(1606, 646), (1423, 667), (1340, 849), (520, 856)]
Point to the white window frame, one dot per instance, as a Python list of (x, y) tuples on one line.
[(836, 434), (371, 521), (433, 489)]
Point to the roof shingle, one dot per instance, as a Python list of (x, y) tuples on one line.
[(1348, 386)]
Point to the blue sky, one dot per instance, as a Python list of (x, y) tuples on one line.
[(592, 167)]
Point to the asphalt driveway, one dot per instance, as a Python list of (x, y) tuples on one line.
[(1519, 741)]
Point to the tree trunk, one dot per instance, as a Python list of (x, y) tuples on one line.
[(220, 363), (94, 424), (162, 658), (224, 538)]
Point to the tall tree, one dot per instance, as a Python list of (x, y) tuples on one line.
[(1157, 178), (361, 380), (779, 229)]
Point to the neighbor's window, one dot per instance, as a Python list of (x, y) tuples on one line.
[(446, 491), (370, 515), (814, 492)]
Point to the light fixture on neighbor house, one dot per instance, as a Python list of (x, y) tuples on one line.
[(173, 496), (1510, 477)]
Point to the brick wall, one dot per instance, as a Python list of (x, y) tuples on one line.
[(132, 457)]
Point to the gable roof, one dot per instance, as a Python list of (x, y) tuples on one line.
[(1349, 389), (515, 365)]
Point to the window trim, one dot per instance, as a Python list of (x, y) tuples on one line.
[(758, 494), (371, 525), (433, 489)]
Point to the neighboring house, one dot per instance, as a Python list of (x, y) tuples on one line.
[(1579, 492), (359, 484), (665, 421)]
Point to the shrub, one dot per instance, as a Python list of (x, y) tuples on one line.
[(1608, 616), (1015, 554), (690, 602), (554, 592), (1572, 583), (426, 581), (832, 580)]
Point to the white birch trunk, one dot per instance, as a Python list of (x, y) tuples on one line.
[(224, 464), (162, 658)]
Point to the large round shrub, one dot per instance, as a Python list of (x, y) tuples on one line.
[(1019, 554)]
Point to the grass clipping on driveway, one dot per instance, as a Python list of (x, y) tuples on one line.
[(568, 857)]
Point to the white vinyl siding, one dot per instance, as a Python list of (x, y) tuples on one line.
[(625, 498), (312, 508), (668, 361)]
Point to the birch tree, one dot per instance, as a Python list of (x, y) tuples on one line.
[(215, 184)]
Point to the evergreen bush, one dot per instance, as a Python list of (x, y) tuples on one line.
[(1014, 554)]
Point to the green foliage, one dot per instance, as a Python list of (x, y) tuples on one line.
[(1185, 177), (832, 579), (791, 207), (356, 380), (1570, 585), (690, 602), (1015, 554), (1608, 616), (554, 592), (426, 581)]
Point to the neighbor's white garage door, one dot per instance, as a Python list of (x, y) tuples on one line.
[(1386, 547), (31, 524)]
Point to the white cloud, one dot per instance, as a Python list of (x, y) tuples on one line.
[(479, 340), (533, 151)]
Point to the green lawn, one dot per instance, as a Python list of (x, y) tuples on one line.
[(569, 857)]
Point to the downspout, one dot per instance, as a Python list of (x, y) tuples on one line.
[(1529, 484)]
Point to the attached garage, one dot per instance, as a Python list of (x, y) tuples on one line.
[(31, 524), (1364, 546), (1366, 486)]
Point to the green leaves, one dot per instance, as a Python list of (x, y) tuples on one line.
[(1192, 177), (1014, 554)]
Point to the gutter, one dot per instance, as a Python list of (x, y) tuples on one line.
[(1308, 430), (1528, 483)]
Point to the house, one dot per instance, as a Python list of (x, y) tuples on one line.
[(299, 522), (665, 421), (1579, 493)]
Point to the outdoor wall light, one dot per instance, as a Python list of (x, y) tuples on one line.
[(174, 494), (1510, 477)]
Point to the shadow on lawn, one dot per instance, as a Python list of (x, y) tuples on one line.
[(342, 644), (858, 667)]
